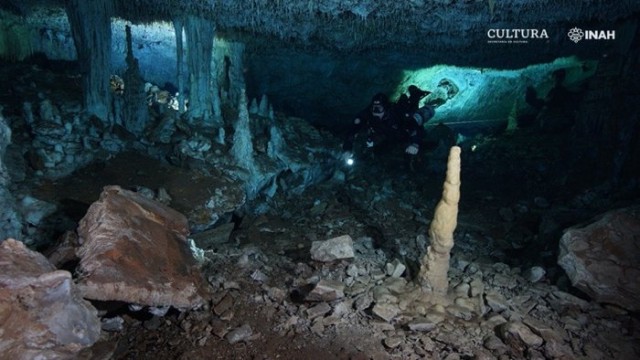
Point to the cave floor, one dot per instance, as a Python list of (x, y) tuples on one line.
[(381, 201), (511, 183)]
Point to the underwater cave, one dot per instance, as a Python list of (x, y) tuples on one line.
[(331, 179)]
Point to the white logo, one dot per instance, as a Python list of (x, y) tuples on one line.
[(575, 34), (514, 36)]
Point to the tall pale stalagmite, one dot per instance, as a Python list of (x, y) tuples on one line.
[(435, 264)]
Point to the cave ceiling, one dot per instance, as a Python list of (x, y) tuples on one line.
[(411, 26)]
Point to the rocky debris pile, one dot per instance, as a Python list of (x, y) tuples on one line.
[(42, 313), (494, 313), (62, 140)]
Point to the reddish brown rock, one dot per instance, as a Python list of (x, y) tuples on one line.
[(601, 258), (135, 250), (65, 250), (42, 315)]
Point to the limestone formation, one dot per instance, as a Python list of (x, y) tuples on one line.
[(242, 149), (10, 221), (435, 264), (5, 140)]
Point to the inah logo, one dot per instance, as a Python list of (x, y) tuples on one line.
[(575, 34)]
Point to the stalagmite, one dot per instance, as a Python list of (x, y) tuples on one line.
[(263, 108), (253, 108), (435, 264), (242, 149)]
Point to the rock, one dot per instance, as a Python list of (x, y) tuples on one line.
[(333, 249), (460, 312), (507, 214), (466, 303), (462, 289), (601, 258), (352, 270), (113, 324), (135, 250), (393, 341), (219, 328), (380, 326), (363, 302), (224, 305), (422, 325), (435, 314), (452, 356), (494, 343), (395, 268), (477, 287), (505, 281), (535, 274), (561, 301), (382, 294), (343, 308), (42, 314), (209, 239), (317, 328), (241, 333), (386, 312), (34, 210), (318, 310), (395, 285), (65, 251), (518, 336), (494, 321), (326, 290)]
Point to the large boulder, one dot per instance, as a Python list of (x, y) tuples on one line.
[(42, 315), (601, 258), (135, 249)]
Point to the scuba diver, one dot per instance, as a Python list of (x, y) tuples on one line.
[(387, 124)]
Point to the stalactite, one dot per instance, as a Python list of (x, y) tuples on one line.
[(90, 22), (15, 38), (200, 33), (136, 114), (236, 71), (178, 27), (492, 6)]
